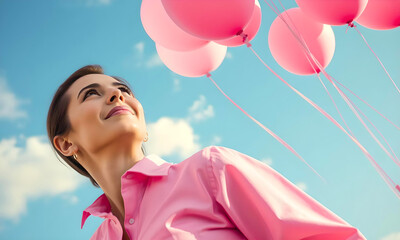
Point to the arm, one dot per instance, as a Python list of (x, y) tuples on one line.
[(265, 205)]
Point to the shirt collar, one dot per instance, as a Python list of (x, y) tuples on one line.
[(150, 165)]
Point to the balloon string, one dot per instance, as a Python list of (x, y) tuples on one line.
[(377, 167), (367, 104), (330, 96), (351, 106), (301, 95), (314, 68), (375, 164), (308, 53), (298, 34), (373, 136), (265, 128), (387, 73), (383, 174), (380, 170), (291, 21), (320, 80), (276, 11)]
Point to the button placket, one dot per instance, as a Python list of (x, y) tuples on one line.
[(133, 188)]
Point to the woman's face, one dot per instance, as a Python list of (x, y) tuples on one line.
[(92, 97)]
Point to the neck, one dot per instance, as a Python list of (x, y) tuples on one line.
[(107, 167)]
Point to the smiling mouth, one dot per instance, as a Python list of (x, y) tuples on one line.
[(118, 111), (121, 111)]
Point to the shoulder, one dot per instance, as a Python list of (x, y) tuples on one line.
[(205, 157), (212, 153), (219, 157)]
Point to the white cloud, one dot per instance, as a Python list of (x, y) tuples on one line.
[(392, 236), (153, 61), (177, 85), (72, 199), (199, 111), (140, 59), (302, 185), (9, 103), (267, 161), (216, 140), (170, 136), (31, 172), (139, 48), (98, 2), (228, 55)]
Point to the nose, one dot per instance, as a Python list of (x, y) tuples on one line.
[(115, 94)]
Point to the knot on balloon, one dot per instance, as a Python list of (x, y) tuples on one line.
[(351, 24), (398, 187), (245, 37), (208, 74)]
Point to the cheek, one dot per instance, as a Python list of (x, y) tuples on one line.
[(140, 112), (85, 118), (138, 106)]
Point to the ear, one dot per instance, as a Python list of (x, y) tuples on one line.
[(64, 146)]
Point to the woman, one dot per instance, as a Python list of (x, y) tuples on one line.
[(97, 126)]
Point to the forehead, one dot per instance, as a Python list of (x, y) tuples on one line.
[(82, 82)]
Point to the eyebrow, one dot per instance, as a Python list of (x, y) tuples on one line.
[(96, 85)]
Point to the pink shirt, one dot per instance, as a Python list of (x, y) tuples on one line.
[(218, 193)]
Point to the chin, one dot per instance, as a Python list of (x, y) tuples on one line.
[(126, 129), (122, 133)]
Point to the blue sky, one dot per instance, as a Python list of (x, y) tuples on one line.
[(43, 42)]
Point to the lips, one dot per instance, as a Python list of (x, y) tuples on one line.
[(118, 108)]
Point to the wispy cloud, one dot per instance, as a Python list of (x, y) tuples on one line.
[(9, 103), (302, 185), (177, 85), (228, 55), (267, 161), (31, 172), (139, 48), (200, 111), (97, 2), (72, 199), (168, 136), (392, 236), (140, 59), (216, 140), (153, 61)]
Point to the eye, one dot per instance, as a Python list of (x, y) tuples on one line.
[(124, 89), (88, 93)]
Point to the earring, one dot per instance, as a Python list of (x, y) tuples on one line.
[(75, 157), (146, 138)]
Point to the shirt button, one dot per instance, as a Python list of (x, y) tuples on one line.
[(131, 221)]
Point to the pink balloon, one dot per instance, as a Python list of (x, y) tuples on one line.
[(333, 12), (210, 19), (163, 30), (251, 29), (194, 63), (287, 50), (381, 14)]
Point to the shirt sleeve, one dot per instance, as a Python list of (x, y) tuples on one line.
[(265, 205)]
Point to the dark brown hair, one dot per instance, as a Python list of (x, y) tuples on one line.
[(57, 119)]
